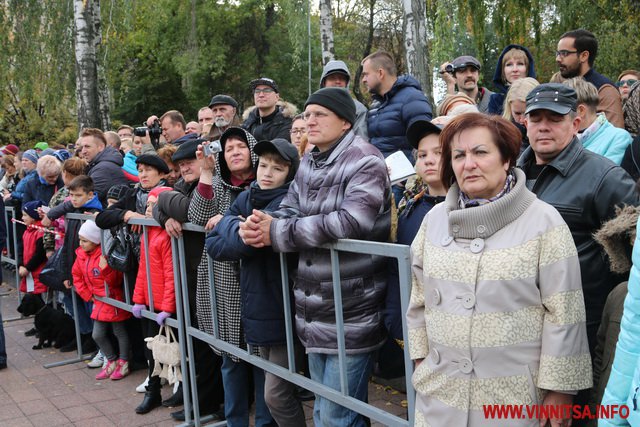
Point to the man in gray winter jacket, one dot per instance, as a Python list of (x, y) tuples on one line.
[(341, 191)]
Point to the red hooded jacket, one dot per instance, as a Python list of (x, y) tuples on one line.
[(161, 270), (89, 280), (29, 239)]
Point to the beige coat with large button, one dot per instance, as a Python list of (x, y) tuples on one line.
[(496, 309)]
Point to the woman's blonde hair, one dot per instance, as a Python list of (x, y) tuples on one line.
[(518, 92), (48, 166)]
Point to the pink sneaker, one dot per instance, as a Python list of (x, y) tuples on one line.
[(107, 370), (121, 370)]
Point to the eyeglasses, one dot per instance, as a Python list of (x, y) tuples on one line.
[(300, 131), (265, 90), (565, 53), (629, 82), (317, 114)]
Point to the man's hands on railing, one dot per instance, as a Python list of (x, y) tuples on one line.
[(129, 215), (255, 231), (136, 310), (173, 228), (161, 317)]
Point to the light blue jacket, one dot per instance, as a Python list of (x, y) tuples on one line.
[(623, 387), (608, 141)]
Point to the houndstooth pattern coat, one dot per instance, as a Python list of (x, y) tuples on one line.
[(226, 273)]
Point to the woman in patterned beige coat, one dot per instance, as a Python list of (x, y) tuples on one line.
[(496, 315)]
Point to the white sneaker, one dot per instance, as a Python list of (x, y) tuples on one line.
[(98, 361), (143, 387)]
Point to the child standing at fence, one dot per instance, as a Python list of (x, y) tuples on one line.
[(158, 255), (90, 273), (260, 279), (82, 199), (34, 256)]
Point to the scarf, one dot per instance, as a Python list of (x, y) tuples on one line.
[(464, 201)]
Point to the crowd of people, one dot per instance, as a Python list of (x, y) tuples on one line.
[(521, 220)]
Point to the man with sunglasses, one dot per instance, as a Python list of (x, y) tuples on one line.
[(575, 56), (463, 73), (267, 121)]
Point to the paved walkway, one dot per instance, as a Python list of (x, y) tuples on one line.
[(31, 395)]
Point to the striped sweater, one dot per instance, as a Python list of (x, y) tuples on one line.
[(496, 310)]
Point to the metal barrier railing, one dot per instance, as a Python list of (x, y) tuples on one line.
[(12, 245), (186, 332)]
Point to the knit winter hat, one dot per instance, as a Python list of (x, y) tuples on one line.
[(41, 145), (158, 190), (11, 149), (90, 231), (335, 99), (31, 155), (31, 208), (631, 110), (62, 155), (117, 192)]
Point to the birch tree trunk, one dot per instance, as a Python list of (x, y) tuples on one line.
[(415, 37), (91, 92), (326, 32)]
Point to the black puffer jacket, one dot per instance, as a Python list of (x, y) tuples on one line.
[(275, 125), (106, 171), (585, 188)]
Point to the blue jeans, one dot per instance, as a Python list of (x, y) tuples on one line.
[(325, 368), (3, 349), (235, 378), (84, 312)]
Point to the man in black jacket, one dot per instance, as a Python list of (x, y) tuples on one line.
[(266, 121), (583, 186), (171, 212)]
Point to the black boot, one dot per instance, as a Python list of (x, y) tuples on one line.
[(88, 344), (175, 400), (152, 397)]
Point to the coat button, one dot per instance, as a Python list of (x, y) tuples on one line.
[(477, 245), (455, 228), (481, 229), (435, 356), (468, 301), (435, 296), (446, 240), (465, 365), (309, 263)]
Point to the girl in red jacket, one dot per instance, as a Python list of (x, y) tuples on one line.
[(90, 272), (34, 255), (158, 254)]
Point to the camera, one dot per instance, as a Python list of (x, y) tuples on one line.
[(212, 147), (449, 68), (154, 133)]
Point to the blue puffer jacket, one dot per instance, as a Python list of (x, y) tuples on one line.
[(391, 114), (496, 101), (18, 193), (260, 279), (38, 189), (623, 387)]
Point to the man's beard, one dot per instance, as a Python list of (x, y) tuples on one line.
[(221, 122), (568, 73)]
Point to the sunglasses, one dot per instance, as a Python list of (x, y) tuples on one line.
[(629, 82)]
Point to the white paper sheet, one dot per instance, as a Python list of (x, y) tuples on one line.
[(400, 167)]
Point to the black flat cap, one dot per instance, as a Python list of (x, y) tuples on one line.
[(264, 81), (554, 97), (154, 161), (223, 99), (187, 150)]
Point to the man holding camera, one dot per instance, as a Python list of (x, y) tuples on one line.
[(464, 72)]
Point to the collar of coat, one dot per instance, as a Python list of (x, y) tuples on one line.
[(483, 221), (562, 162)]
